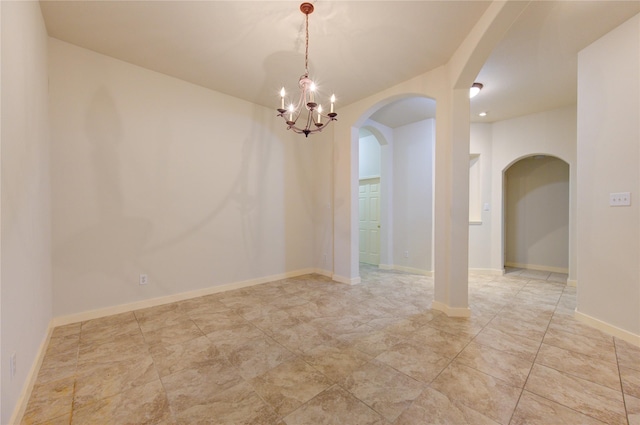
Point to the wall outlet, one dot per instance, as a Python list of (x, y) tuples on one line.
[(144, 279), (620, 199), (325, 259), (12, 365), (406, 254)]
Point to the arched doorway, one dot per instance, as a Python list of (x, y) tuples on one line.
[(396, 159), (536, 216)]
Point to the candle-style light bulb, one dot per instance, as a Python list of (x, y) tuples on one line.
[(282, 98), (319, 114), (333, 100), (312, 90), (291, 112)]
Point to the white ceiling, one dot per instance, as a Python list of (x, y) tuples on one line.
[(250, 49)]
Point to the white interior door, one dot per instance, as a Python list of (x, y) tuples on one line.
[(369, 206)]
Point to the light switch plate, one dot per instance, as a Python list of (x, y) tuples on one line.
[(620, 199)]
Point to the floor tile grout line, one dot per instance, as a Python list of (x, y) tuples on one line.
[(533, 363), (624, 399)]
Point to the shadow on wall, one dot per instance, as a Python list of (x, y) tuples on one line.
[(124, 231), (111, 243)]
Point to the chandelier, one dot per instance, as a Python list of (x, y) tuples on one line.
[(307, 110)]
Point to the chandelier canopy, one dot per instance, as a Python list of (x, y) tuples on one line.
[(308, 109)]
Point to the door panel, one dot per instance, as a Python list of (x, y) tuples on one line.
[(369, 204)]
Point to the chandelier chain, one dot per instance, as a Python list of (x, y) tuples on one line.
[(306, 46)]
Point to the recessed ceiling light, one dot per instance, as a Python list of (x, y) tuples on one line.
[(482, 114), (475, 89)]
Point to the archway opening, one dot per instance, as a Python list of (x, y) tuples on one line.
[(536, 217), (396, 156)]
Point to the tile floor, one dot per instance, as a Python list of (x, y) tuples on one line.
[(310, 351)]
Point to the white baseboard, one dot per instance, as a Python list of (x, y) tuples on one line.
[(347, 280), (606, 327), (572, 282), (411, 270), (153, 302), (451, 311), (21, 404), (538, 267)]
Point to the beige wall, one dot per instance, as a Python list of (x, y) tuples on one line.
[(537, 214), (502, 144), (609, 161), (549, 133), (480, 233), (157, 176), (26, 227), (413, 147)]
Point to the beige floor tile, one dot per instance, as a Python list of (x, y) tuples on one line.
[(383, 388), (468, 327), (337, 325), (633, 409), (628, 354), (302, 337), (193, 387), (289, 385), (60, 420), (96, 382), (569, 324), (238, 404), (441, 342), (535, 274), (218, 363), (191, 354), (592, 347), (146, 404), (126, 346), (255, 311), (336, 361), (229, 339), (257, 356), (516, 345), (630, 381), (417, 361), (276, 321), (335, 406), (535, 410), (203, 305), (558, 277), (161, 316), (63, 344), (58, 365), (66, 330), (112, 322), (580, 365), (434, 408), (483, 393), (107, 329), (174, 334), (374, 342), (531, 330), (507, 367), (578, 394), (49, 400)]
